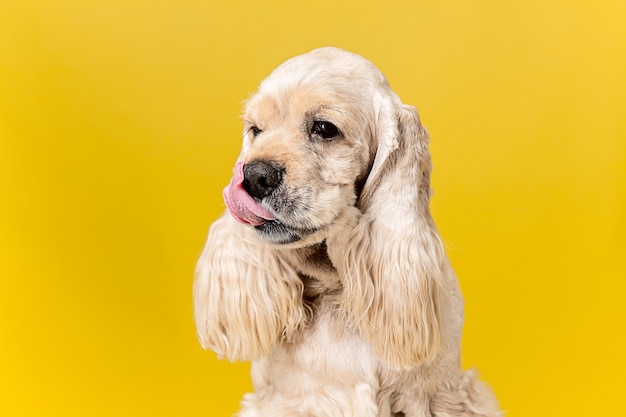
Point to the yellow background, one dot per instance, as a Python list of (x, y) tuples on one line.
[(119, 124)]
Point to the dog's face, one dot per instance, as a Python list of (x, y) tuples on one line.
[(330, 153), (308, 144)]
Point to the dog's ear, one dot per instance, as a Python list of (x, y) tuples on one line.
[(246, 298), (392, 267)]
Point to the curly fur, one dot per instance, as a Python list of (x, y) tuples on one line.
[(342, 296)]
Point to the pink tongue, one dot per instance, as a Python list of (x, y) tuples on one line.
[(241, 205)]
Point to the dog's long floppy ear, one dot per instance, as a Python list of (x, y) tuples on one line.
[(392, 267), (246, 298)]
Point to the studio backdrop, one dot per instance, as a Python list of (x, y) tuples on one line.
[(120, 124)]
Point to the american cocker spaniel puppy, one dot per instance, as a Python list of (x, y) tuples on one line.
[(327, 271)]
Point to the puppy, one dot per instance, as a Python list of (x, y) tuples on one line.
[(327, 271)]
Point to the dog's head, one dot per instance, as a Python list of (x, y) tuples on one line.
[(331, 153), (311, 133)]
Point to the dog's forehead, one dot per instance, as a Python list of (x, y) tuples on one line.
[(323, 79), (295, 102)]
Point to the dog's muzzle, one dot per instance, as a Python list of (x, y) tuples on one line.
[(244, 193), (249, 196)]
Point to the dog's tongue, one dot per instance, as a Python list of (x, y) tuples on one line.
[(241, 205)]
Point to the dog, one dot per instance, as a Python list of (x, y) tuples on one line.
[(327, 270)]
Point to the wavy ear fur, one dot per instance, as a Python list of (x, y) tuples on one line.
[(392, 264), (246, 298)]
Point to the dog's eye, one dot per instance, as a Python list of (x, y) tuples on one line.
[(255, 131), (325, 129)]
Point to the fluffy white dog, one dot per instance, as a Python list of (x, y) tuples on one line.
[(327, 270)]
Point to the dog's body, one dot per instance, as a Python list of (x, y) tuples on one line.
[(327, 271)]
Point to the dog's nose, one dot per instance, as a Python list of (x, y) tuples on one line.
[(260, 178)]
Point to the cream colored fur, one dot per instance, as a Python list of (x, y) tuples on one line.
[(362, 315)]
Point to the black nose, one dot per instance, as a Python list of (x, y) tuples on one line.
[(260, 178)]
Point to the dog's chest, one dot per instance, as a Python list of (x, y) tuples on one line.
[(329, 365)]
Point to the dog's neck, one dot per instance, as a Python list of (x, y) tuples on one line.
[(315, 267)]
